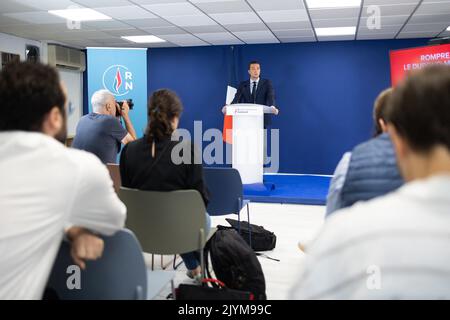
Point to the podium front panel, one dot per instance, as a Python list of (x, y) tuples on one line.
[(248, 143)]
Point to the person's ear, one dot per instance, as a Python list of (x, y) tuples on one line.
[(383, 125), (249, 72), (53, 122), (403, 152), (174, 123), (56, 118), (401, 146), (111, 108)]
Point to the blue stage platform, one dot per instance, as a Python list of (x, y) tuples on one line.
[(286, 188)]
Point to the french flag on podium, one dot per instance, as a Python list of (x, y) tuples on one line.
[(227, 133)]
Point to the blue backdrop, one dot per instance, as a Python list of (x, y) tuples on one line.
[(123, 73), (325, 91)]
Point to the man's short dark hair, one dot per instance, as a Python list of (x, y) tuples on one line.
[(28, 92), (419, 108), (253, 62)]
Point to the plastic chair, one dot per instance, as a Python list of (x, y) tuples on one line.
[(167, 222), (119, 274), (114, 172), (226, 194)]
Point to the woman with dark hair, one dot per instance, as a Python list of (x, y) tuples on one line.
[(147, 164)]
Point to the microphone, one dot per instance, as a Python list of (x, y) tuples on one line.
[(239, 95)]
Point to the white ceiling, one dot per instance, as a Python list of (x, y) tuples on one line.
[(221, 22)]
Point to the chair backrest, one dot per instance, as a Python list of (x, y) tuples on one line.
[(225, 191), (119, 274), (114, 172), (166, 222)]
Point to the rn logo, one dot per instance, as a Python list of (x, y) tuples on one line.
[(118, 80)]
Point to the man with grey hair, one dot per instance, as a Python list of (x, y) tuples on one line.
[(100, 131)]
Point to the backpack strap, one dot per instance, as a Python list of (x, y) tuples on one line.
[(206, 259), (266, 256), (214, 281)]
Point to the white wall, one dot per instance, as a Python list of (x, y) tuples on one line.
[(72, 79), (13, 44), (74, 83)]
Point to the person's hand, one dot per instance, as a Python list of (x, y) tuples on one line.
[(124, 109), (84, 246), (275, 110)]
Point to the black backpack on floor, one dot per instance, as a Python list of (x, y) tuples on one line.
[(235, 263), (262, 239)]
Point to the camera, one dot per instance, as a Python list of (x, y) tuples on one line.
[(120, 103)]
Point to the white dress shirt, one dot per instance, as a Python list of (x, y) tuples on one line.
[(44, 188), (393, 247), (251, 85)]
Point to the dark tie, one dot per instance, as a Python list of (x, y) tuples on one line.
[(254, 92)]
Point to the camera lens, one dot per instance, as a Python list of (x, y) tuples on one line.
[(130, 103)]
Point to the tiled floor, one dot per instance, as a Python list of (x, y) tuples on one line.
[(291, 224)]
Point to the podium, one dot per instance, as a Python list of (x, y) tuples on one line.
[(248, 140)]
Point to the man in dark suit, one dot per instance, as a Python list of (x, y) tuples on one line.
[(256, 90)]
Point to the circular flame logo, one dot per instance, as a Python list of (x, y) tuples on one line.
[(117, 80)]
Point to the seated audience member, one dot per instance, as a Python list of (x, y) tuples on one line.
[(370, 170), (100, 132), (395, 246), (45, 188), (147, 163)]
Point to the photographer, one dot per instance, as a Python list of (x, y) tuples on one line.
[(100, 131)]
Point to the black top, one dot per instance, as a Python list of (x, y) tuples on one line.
[(138, 172)]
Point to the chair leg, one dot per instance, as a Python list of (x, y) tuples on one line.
[(239, 207), (175, 262), (173, 290), (165, 266), (202, 257), (178, 264), (153, 262), (249, 225), (239, 222)]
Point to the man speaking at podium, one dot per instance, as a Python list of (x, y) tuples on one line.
[(257, 90)]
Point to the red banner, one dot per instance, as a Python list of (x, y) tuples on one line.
[(403, 61), (227, 135)]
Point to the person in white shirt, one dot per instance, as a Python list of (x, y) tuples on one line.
[(45, 188), (396, 246)]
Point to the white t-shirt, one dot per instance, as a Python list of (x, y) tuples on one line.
[(392, 247), (44, 188), (251, 85)]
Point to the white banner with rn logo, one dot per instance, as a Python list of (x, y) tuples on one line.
[(123, 72)]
